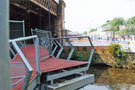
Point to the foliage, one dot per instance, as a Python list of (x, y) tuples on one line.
[(81, 55), (93, 30), (129, 30), (116, 51), (84, 48), (131, 20), (65, 53), (76, 56), (132, 62), (117, 22), (107, 23), (95, 57), (123, 32), (119, 55), (85, 33)]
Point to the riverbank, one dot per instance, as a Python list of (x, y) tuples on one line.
[(102, 55), (105, 57)]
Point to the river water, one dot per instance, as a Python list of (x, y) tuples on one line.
[(107, 78)]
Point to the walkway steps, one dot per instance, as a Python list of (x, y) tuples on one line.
[(74, 83)]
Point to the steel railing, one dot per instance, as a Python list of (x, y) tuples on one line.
[(29, 69), (55, 42), (72, 50)]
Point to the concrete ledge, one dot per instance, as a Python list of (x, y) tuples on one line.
[(73, 84)]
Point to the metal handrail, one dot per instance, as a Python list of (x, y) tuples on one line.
[(92, 51), (29, 69), (23, 38), (74, 37), (72, 50)]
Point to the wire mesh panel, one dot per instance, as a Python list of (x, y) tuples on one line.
[(44, 38), (17, 29)]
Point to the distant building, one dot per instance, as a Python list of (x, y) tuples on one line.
[(103, 28)]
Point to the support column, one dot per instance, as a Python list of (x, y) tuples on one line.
[(59, 23), (4, 46)]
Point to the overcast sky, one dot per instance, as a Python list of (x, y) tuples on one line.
[(82, 15)]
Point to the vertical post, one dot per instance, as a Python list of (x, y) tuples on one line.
[(23, 28), (37, 59), (24, 40), (37, 55), (4, 46)]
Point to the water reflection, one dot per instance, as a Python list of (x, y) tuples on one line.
[(107, 78)]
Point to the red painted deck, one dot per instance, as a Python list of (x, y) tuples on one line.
[(46, 65)]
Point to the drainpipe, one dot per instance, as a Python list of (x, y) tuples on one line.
[(5, 82)]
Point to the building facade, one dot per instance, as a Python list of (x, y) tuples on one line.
[(42, 14)]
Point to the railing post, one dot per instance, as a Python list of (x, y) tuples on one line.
[(92, 51), (5, 83), (24, 36), (37, 59)]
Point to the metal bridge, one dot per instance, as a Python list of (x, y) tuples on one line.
[(36, 65)]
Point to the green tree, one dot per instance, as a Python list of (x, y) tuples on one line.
[(117, 22), (85, 33), (92, 30), (107, 23), (131, 20), (115, 25), (129, 30)]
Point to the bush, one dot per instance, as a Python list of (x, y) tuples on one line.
[(95, 57), (84, 49), (116, 51), (82, 55)]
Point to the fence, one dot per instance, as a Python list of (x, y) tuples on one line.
[(17, 29)]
